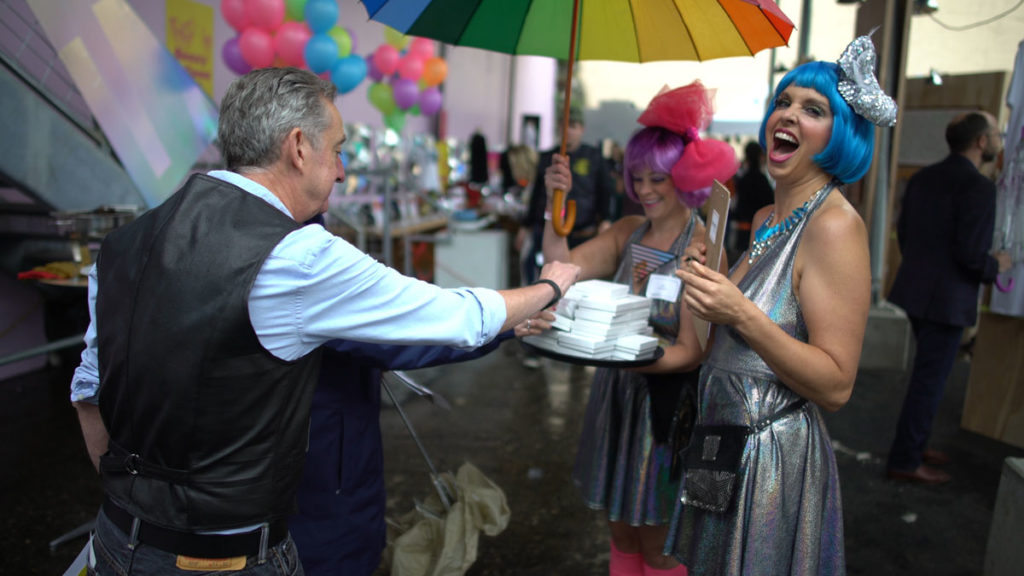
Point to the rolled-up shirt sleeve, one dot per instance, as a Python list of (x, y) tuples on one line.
[(316, 287), (85, 383)]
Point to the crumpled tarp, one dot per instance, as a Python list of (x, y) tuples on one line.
[(429, 542)]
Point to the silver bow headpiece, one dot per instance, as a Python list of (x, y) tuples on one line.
[(859, 87)]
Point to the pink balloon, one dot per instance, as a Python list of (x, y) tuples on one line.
[(422, 48), (290, 43), (257, 47), (430, 101), (266, 14), (234, 14), (410, 67), (385, 59)]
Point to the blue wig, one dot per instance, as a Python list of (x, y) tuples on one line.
[(848, 153)]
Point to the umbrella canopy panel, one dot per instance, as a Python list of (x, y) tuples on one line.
[(620, 30)]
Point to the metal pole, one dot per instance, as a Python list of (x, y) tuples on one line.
[(510, 114), (805, 33), (442, 491), (44, 349)]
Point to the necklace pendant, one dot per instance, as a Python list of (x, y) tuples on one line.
[(765, 235)]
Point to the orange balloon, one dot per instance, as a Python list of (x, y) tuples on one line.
[(435, 70)]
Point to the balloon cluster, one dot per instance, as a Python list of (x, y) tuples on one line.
[(406, 74), (300, 33)]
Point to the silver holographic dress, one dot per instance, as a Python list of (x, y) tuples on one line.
[(619, 466), (786, 513)]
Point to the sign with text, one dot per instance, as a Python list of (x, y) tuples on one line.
[(190, 39)]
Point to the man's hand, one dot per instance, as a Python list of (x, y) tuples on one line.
[(561, 273), (1004, 259), (536, 324)]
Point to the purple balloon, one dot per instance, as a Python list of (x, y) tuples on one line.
[(232, 56), (371, 69), (352, 37), (430, 101), (405, 93)]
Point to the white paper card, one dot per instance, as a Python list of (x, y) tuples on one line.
[(664, 287)]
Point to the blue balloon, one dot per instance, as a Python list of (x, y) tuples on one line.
[(348, 73), (321, 15), (321, 52)]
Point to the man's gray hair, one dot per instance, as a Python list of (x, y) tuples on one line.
[(263, 106)]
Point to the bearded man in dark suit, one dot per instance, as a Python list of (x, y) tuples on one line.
[(945, 231)]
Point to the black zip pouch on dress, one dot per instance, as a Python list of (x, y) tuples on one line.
[(712, 461)]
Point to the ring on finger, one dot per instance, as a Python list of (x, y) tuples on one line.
[(527, 324)]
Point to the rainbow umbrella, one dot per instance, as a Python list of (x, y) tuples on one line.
[(622, 30)]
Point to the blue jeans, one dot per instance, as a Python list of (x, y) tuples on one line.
[(113, 557)]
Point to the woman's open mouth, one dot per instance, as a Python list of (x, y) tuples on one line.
[(784, 145)]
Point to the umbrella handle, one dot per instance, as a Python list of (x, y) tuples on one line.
[(563, 214), (1004, 286)]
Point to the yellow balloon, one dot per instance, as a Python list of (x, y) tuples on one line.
[(395, 38)]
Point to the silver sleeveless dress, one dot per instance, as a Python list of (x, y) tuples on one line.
[(619, 466), (786, 513)]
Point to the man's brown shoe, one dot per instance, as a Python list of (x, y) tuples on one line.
[(922, 475), (935, 457)]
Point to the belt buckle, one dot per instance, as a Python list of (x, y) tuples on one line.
[(131, 464)]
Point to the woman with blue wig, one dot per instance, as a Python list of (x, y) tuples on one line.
[(760, 493), (624, 462)]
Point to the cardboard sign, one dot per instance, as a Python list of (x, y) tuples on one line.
[(714, 238)]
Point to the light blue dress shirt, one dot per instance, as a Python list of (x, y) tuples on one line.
[(316, 287)]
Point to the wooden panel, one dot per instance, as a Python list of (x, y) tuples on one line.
[(984, 90), (994, 404)]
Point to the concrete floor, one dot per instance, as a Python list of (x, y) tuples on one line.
[(519, 426)]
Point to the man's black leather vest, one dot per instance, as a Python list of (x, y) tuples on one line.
[(214, 426)]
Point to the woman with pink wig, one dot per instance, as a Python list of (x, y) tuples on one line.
[(623, 465)]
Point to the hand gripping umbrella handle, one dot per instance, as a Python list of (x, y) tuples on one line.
[(563, 215)]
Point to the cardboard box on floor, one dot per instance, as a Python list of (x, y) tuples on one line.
[(994, 403)]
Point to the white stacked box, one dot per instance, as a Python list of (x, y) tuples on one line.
[(634, 346), (596, 347), (595, 314)]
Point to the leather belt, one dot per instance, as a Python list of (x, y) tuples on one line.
[(196, 545)]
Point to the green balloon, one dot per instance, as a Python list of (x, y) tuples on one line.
[(294, 10), (414, 110), (381, 97), (395, 120), (342, 39)]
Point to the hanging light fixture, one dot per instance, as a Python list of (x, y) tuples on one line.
[(925, 6)]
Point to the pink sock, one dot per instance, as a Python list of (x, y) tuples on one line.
[(677, 571), (622, 564)]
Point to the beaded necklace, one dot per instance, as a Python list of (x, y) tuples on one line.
[(766, 235)]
